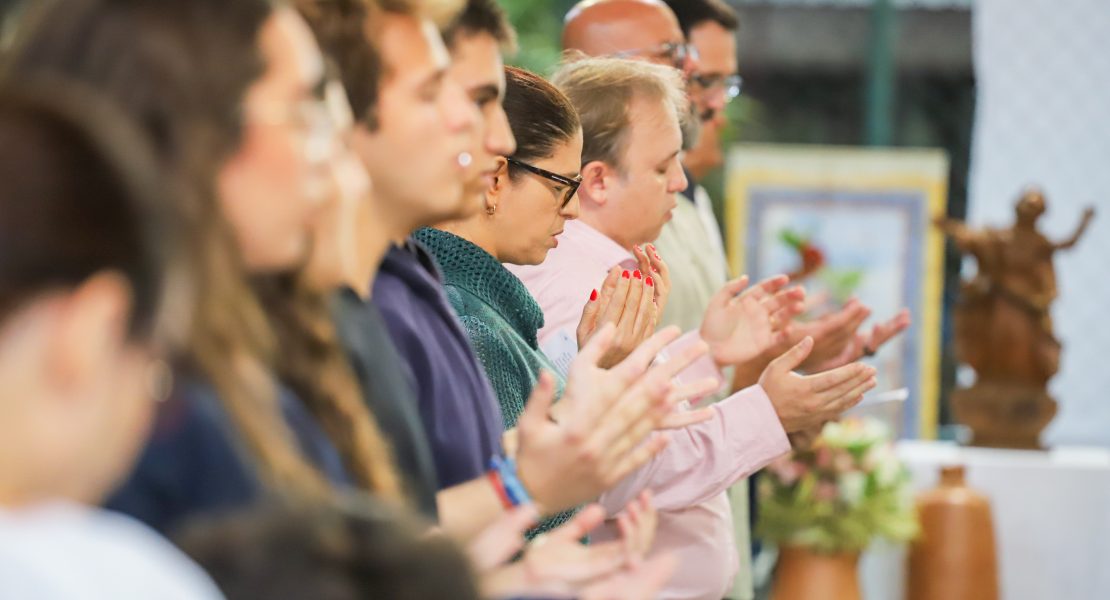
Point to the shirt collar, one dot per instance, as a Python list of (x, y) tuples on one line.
[(601, 247)]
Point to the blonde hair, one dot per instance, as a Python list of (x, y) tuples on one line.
[(602, 91)]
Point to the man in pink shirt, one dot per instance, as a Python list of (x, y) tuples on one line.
[(630, 174)]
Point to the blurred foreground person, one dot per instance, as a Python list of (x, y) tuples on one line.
[(87, 255), (231, 91)]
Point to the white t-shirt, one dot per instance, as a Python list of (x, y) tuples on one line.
[(61, 551)]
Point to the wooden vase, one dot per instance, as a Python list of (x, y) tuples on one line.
[(804, 574), (954, 557)]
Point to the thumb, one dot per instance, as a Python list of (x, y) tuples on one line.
[(598, 344), (793, 358), (538, 406), (589, 316)]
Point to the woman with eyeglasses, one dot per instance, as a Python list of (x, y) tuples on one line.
[(533, 195)]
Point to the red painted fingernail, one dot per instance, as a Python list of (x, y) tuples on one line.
[(625, 274), (593, 296), (637, 274), (649, 281)]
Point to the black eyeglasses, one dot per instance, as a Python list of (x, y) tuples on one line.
[(572, 184)]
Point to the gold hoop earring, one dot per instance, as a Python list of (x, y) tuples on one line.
[(490, 210)]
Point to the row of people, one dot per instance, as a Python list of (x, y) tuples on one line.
[(325, 236)]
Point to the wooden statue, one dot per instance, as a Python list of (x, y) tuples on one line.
[(1004, 328)]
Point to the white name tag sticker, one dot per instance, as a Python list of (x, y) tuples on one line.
[(561, 348)]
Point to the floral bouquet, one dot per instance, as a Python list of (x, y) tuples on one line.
[(839, 494)]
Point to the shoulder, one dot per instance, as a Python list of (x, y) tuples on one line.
[(104, 555)]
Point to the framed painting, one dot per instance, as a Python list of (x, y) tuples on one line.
[(851, 223)]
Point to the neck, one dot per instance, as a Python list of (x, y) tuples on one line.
[(595, 220), (475, 230), (371, 242)]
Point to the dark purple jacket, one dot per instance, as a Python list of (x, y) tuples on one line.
[(459, 409)]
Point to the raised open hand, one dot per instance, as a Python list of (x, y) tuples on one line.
[(742, 325), (805, 401), (868, 344), (833, 335), (626, 300), (602, 421), (557, 564)]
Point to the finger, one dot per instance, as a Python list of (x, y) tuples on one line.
[(500, 541), (578, 527), (627, 532), (599, 560), (642, 260), (588, 321), (784, 298), (836, 393), (784, 317), (609, 286), (630, 319), (694, 391), (599, 344), (667, 370), (645, 312), (627, 462), (537, 408), (826, 324), (855, 396), (884, 332), (768, 287), (727, 292), (636, 363), (685, 418), (633, 537), (828, 380), (615, 307), (657, 263), (643, 581), (793, 357), (662, 270), (631, 418)]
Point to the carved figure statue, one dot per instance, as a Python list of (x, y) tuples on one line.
[(1004, 326)]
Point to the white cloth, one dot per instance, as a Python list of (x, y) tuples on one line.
[(63, 551), (1051, 519)]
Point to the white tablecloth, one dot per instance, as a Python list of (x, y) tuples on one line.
[(1051, 520)]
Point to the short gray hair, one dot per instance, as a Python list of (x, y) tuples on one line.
[(602, 90)]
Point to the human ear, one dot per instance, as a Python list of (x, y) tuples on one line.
[(92, 323), (497, 188), (595, 183)]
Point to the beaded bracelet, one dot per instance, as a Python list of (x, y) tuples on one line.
[(494, 477), (505, 468)]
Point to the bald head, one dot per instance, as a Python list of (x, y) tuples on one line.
[(604, 27)]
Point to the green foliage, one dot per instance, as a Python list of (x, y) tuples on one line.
[(839, 495), (539, 26)]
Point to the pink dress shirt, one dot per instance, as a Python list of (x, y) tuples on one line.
[(689, 478)]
